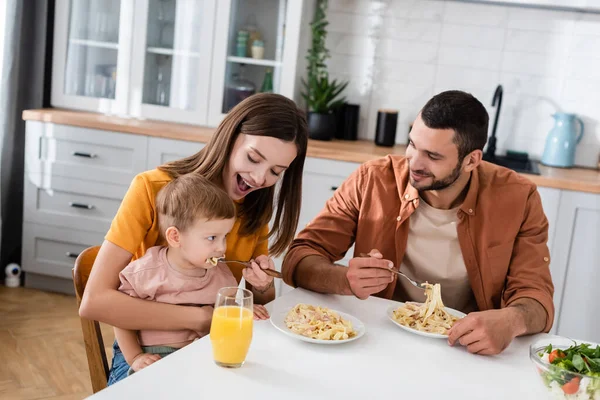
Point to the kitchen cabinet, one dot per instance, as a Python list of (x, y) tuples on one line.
[(174, 60), (576, 266)]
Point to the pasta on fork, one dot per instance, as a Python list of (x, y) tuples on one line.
[(318, 323), (430, 316)]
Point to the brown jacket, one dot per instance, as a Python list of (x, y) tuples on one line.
[(502, 230)]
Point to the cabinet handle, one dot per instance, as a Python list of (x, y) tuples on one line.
[(81, 205), (72, 255), (85, 155), (334, 188)]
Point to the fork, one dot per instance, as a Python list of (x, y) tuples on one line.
[(248, 264), (420, 285)]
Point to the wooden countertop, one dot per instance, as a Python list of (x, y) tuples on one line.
[(578, 179)]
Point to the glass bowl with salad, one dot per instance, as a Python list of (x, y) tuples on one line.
[(569, 369)]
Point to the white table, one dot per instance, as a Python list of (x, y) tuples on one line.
[(386, 363)]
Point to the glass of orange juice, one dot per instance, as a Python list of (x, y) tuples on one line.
[(231, 327)]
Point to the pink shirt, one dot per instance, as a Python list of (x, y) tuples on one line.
[(153, 278)]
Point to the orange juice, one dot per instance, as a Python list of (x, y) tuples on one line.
[(231, 334)]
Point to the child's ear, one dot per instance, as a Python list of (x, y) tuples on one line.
[(173, 236)]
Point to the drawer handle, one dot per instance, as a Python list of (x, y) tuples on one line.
[(85, 155), (334, 188), (81, 205), (72, 255)]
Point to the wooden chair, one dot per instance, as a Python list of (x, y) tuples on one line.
[(92, 336)]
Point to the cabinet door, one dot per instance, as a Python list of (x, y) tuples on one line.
[(172, 49), (161, 150), (576, 266), (256, 50), (550, 202), (91, 56)]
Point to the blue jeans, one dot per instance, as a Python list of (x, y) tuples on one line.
[(119, 367)]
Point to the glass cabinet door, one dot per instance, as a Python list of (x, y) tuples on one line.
[(251, 60), (90, 45), (93, 48), (172, 59)]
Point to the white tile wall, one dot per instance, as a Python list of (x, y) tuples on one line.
[(399, 53)]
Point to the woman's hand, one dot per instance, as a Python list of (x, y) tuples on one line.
[(256, 276), (200, 319), (260, 312), (143, 360)]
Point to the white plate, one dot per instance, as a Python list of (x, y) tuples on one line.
[(390, 314), (278, 321)]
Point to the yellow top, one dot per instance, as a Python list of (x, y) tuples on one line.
[(135, 227)]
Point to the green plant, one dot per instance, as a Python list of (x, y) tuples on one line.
[(321, 93)]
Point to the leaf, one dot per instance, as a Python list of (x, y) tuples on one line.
[(548, 349), (578, 362)]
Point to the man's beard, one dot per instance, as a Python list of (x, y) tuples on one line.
[(443, 183)]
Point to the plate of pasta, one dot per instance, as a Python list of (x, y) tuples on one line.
[(429, 319), (317, 324)]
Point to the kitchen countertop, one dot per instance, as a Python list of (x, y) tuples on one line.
[(578, 179)]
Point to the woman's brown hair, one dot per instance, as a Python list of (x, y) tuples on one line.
[(264, 114)]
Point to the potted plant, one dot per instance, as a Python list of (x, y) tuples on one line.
[(321, 94)]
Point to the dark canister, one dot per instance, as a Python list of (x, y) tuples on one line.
[(385, 132), (347, 118)]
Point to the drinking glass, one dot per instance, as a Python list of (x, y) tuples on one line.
[(231, 327)]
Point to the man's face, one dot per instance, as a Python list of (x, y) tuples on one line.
[(433, 157)]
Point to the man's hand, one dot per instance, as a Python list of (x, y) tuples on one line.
[(485, 332), (369, 275), (143, 360)]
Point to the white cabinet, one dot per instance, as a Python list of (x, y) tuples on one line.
[(172, 49), (236, 71), (161, 150), (576, 266), (92, 55), (550, 203), (174, 60)]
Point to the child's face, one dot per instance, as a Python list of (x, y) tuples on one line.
[(203, 240)]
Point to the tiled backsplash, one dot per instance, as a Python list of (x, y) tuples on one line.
[(399, 53)]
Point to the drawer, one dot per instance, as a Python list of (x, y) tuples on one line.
[(161, 150), (71, 203), (83, 153), (52, 251)]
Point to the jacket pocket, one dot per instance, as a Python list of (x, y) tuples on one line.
[(499, 257)]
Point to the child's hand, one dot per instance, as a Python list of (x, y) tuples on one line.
[(143, 360), (260, 312)]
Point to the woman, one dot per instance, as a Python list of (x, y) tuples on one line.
[(262, 140)]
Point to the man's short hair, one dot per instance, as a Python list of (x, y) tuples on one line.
[(461, 112)]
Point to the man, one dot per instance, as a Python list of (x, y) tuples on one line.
[(441, 215)]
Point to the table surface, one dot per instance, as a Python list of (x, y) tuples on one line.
[(387, 362)]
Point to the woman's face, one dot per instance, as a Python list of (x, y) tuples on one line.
[(256, 162)]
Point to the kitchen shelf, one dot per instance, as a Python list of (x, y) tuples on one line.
[(172, 52), (95, 43), (253, 61)]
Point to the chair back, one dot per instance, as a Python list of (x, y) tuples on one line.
[(92, 336)]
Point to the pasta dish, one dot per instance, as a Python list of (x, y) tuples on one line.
[(429, 316), (318, 323)]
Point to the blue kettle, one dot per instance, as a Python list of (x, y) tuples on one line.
[(561, 141)]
